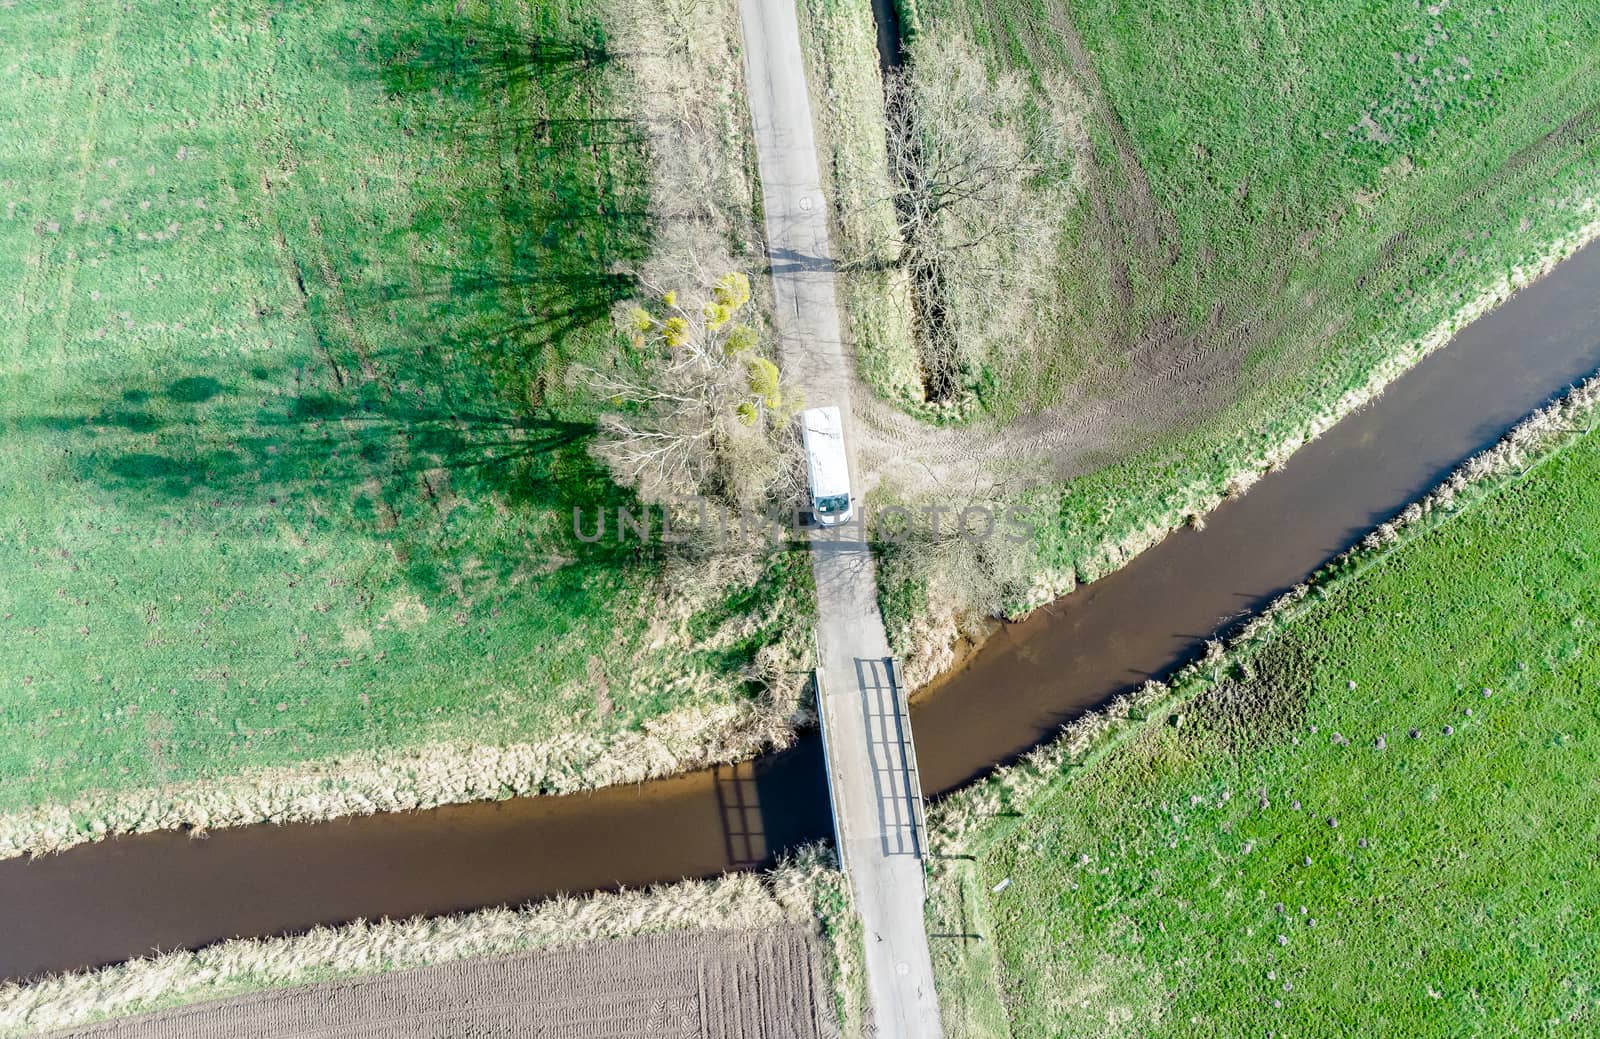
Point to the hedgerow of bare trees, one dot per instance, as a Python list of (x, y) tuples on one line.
[(982, 173)]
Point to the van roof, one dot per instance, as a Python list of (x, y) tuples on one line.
[(825, 453)]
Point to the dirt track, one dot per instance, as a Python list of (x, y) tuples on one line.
[(695, 985)]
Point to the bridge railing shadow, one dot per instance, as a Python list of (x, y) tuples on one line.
[(892, 756), (739, 804)]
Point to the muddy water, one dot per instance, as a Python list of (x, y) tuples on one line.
[(121, 898), (891, 52), (107, 902)]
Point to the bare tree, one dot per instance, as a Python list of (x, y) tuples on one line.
[(960, 182), (695, 406)]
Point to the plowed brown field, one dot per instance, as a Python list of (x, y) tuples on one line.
[(693, 985)]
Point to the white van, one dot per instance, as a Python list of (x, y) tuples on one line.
[(823, 433)]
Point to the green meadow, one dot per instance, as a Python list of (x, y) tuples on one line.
[(289, 442), (1269, 186), (1389, 827)]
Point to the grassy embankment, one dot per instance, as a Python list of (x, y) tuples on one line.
[(1278, 208), (840, 45), (801, 892), (290, 449), (1378, 814)]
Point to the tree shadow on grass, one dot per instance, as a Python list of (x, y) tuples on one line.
[(406, 469), (521, 328), (467, 54), (541, 257), (424, 398)]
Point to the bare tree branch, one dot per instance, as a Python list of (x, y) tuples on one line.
[(696, 407)]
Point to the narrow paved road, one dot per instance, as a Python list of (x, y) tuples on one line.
[(867, 738)]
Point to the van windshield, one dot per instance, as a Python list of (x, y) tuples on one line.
[(834, 504)]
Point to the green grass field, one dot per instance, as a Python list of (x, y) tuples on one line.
[(1359, 839), (1269, 183), (1277, 199), (288, 446)]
